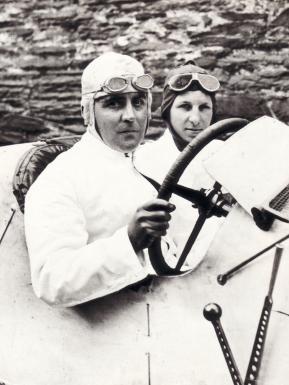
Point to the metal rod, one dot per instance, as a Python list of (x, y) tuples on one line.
[(259, 343), (212, 312), (223, 278), (260, 338), (8, 224), (149, 368), (148, 320), (276, 264)]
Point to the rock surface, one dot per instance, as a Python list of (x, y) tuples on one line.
[(45, 45)]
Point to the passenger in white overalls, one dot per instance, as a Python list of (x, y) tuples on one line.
[(188, 107)]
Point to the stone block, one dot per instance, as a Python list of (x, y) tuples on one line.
[(149, 15), (282, 18), (207, 61)]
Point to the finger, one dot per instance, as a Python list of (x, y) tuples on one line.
[(160, 216), (159, 204), (156, 233), (156, 225), (150, 241)]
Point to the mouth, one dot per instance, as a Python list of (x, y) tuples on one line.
[(193, 129), (127, 131)]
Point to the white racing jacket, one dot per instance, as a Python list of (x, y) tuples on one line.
[(76, 217)]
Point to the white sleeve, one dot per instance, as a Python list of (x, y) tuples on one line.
[(65, 269)]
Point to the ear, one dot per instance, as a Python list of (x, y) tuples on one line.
[(85, 111), (150, 99)]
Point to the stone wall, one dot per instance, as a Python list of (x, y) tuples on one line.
[(45, 44)]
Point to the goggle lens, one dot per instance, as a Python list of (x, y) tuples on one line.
[(208, 82), (116, 84), (180, 82), (183, 81), (144, 82)]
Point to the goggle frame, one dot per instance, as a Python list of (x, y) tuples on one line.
[(129, 79), (195, 76)]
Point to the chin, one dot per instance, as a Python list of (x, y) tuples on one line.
[(192, 134), (129, 147), (131, 143), (128, 143)]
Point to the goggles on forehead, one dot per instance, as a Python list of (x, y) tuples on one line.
[(181, 82), (118, 84)]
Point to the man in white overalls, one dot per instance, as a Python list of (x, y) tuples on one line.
[(86, 220)]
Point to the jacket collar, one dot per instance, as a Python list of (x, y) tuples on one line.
[(98, 147)]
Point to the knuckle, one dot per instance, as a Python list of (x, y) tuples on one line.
[(141, 216), (138, 220), (143, 225)]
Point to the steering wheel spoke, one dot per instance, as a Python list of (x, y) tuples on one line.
[(191, 240), (194, 196)]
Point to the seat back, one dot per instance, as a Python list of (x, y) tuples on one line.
[(34, 161)]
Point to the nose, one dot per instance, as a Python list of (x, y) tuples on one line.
[(194, 117), (128, 112)]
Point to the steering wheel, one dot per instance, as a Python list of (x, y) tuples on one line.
[(170, 184)]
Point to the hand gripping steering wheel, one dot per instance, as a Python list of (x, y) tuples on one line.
[(170, 184)]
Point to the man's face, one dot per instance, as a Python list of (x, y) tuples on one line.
[(122, 119)]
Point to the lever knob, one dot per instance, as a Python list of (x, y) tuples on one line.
[(212, 312)]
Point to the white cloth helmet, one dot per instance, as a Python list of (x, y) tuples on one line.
[(97, 73)]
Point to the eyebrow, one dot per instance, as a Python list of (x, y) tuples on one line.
[(180, 102), (107, 98), (184, 101), (141, 94)]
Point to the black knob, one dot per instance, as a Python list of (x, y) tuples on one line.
[(262, 218), (212, 312), (222, 279)]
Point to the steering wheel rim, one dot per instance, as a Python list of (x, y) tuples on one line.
[(177, 169)]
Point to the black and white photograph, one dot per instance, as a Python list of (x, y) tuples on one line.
[(144, 192)]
